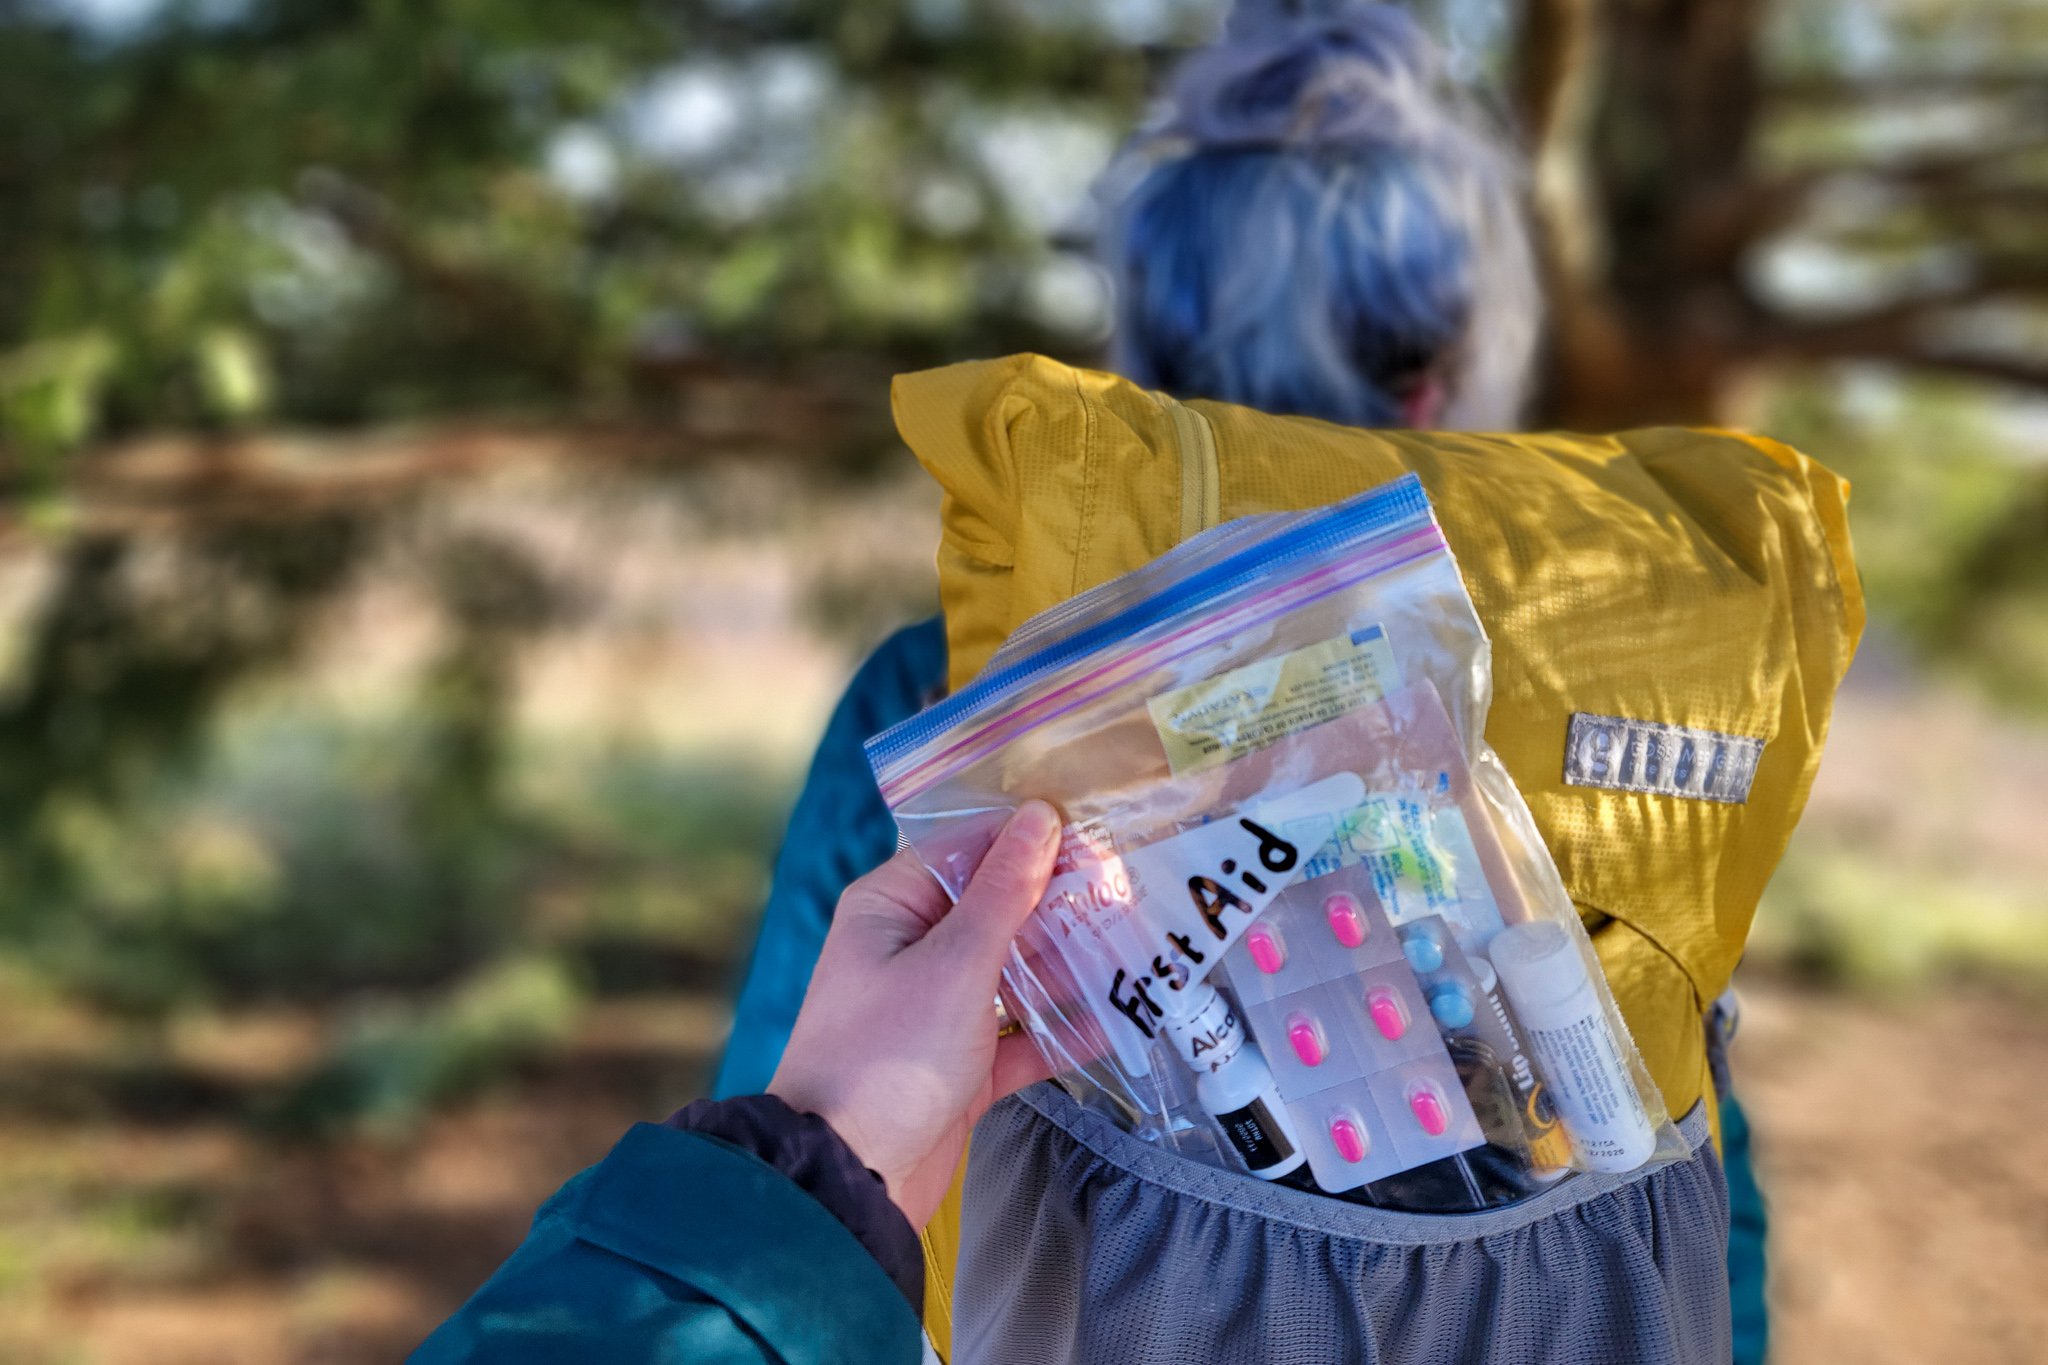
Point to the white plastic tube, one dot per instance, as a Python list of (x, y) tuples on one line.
[(1551, 992), (1235, 1085)]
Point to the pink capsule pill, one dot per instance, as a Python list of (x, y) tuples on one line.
[(1306, 1039), (1269, 954), (1387, 1012), (1347, 919), (1428, 1107), (1348, 1135)]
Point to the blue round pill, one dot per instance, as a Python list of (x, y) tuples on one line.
[(1451, 1006), (1424, 953)]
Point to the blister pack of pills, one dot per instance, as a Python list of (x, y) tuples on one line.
[(1301, 923), (1368, 1082)]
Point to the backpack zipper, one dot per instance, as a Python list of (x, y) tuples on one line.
[(1201, 474)]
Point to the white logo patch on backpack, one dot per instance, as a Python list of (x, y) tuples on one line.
[(1626, 755)]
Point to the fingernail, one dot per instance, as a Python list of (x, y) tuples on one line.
[(1034, 824)]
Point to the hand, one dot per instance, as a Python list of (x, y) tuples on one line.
[(896, 1043)]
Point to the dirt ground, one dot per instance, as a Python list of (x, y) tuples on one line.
[(1904, 1147)]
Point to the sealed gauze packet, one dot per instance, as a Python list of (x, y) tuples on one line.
[(1302, 924)]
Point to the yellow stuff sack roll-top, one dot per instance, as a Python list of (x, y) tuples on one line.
[(1693, 585)]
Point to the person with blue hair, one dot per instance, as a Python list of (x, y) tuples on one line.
[(1317, 226)]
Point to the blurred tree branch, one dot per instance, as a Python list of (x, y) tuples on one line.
[(1832, 90), (1655, 200), (2013, 370)]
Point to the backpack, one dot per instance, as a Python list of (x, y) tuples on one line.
[(1651, 597)]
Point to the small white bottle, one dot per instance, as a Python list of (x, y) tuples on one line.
[(1551, 992), (1234, 1084)]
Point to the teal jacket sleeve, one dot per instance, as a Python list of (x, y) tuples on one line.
[(679, 1247), (839, 830)]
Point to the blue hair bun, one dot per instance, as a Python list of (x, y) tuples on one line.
[(1316, 224), (1348, 73)]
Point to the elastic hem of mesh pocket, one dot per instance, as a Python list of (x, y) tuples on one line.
[(1318, 1213)]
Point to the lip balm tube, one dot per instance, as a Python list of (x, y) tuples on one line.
[(1492, 1097), (1234, 1084), (1548, 984), (1550, 1151)]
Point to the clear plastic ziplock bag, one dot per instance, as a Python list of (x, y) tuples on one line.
[(1302, 923)]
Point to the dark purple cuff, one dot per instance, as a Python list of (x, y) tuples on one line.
[(804, 1148)]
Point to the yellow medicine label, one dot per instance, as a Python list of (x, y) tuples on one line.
[(1225, 717)]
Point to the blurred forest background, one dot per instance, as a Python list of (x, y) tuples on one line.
[(448, 477)]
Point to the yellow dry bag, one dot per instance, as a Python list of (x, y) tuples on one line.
[(1640, 590)]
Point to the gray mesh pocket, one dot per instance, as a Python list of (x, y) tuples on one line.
[(1082, 1244)]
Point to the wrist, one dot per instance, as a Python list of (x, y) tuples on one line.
[(820, 1105), (805, 1147)]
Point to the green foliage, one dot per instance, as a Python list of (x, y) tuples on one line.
[(1949, 517), (343, 211), (343, 865), (358, 210), (393, 1065), (308, 858), (1852, 917), (113, 689)]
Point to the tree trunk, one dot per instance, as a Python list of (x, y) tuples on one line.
[(1640, 115)]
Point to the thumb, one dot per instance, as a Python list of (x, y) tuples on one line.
[(1004, 890)]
